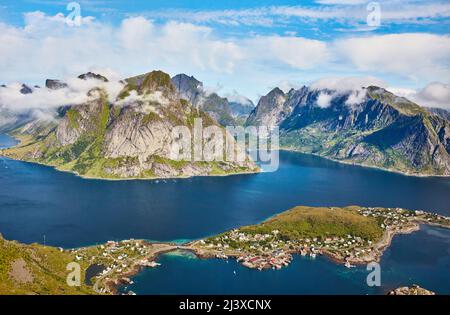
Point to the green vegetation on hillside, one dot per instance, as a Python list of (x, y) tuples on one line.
[(301, 222), (36, 269)]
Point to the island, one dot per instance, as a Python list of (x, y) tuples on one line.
[(349, 235), (412, 290)]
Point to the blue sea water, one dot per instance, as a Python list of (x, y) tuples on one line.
[(38, 203), (420, 258)]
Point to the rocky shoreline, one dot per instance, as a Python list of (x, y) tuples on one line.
[(412, 290), (121, 260), (86, 177), (349, 251), (124, 278), (391, 170)]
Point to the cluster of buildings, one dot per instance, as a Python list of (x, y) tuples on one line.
[(274, 260), (398, 217), (262, 251), (116, 257)]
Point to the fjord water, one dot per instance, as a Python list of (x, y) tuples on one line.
[(420, 258), (38, 202)]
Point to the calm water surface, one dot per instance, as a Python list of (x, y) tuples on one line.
[(420, 258), (37, 202)]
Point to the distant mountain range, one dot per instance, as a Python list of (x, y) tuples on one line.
[(106, 139), (227, 113), (371, 127)]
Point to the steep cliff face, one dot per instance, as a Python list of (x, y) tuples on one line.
[(371, 127), (241, 107), (271, 110), (441, 112), (129, 138), (190, 89)]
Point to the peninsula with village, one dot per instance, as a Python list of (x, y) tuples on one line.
[(350, 235)]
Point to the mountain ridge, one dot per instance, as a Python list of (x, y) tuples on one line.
[(371, 127), (99, 139)]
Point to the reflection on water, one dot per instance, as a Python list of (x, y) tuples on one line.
[(36, 200)]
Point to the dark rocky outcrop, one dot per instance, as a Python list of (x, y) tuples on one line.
[(55, 84)]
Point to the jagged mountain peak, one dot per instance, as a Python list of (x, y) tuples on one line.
[(54, 84), (100, 138), (157, 81), (91, 75), (371, 126), (148, 83), (25, 89), (271, 109), (275, 92), (191, 89), (183, 81)]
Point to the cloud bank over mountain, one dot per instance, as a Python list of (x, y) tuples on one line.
[(46, 46)]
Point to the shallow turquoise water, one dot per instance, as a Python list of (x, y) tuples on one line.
[(37, 201), (420, 258)]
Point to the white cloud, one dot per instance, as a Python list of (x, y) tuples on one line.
[(238, 98), (47, 47), (297, 52), (410, 55), (44, 99), (135, 32), (324, 99), (346, 84), (356, 97), (434, 94), (353, 86)]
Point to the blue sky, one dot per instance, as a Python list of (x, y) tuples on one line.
[(236, 45)]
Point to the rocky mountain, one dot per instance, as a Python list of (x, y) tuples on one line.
[(55, 84), (10, 121), (26, 89), (441, 112), (240, 107), (192, 90), (371, 127), (91, 75), (127, 138), (271, 109)]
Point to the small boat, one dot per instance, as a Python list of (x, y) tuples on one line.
[(348, 265)]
